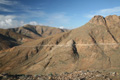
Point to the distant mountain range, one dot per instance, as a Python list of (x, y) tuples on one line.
[(16, 36), (94, 46), (37, 31)]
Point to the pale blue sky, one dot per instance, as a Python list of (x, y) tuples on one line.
[(57, 13)]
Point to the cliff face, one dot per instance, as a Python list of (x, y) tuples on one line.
[(94, 46)]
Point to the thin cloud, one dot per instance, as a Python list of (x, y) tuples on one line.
[(105, 12), (10, 21), (58, 18), (5, 6), (5, 9), (51, 19), (8, 2), (35, 13), (33, 23)]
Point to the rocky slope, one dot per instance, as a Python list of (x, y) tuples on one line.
[(76, 75), (37, 31), (16, 36), (9, 39), (94, 46)]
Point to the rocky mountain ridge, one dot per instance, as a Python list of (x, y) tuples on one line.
[(94, 46), (37, 31), (15, 36)]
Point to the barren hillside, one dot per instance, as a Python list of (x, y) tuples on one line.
[(94, 46)]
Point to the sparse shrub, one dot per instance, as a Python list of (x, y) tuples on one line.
[(66, 73), (50, 74)]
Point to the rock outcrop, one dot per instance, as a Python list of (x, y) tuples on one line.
[(99, 20), (76, 75)]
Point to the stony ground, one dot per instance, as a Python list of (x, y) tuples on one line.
[(77, 75)]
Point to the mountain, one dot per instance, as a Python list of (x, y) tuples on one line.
[(6, 42), (37, 31), (94, 46), (9, 39), (15, 36)]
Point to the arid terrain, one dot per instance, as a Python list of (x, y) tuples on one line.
[(16, 36), (89, 52), (76, 75)]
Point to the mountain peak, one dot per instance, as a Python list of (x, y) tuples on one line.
[(98, 19), (113, 18), (98, 16), (113, 21)]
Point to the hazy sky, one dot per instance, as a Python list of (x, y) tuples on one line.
[(57, 13)]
